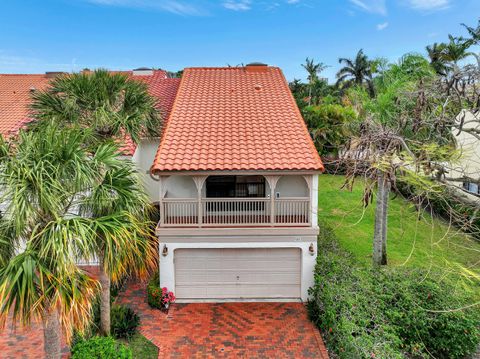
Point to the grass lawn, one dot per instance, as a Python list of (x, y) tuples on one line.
[(142, 348), (412, 240)]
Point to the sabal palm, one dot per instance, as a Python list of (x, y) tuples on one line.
[(120, 192), (41, 175), (357, 71), (313, 69), (111, 105), (49, 182)]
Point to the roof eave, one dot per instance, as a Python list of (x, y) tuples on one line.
[(159, 172)]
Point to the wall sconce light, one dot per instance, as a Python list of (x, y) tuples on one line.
[(311, 249), (165, 250)]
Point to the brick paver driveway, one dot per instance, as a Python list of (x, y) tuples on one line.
[(234, 330)]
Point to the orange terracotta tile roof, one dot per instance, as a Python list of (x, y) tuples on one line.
[(242, 118), (15, 97), (15, 91)]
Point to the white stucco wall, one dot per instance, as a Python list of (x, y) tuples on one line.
[(143, 158), (292, 186), (469, 147), (314, 201), (180, 187), (287, 186), (308, 261), (184, 187)]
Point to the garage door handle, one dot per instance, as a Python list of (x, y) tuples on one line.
[(238, 277)]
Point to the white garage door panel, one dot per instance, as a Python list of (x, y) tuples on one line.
[(237, 273)]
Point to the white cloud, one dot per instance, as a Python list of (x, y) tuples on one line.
[(12, 62), (179, 7), (238, 5), (382, 26), (293, 1), (429, 4), (373, 6)]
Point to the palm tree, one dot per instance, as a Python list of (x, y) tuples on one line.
[(456, 50), (474, 39), (41, 174), (121, 199), (112, 106), (313, 69), (437, 59), (474, 32), (46, 177), (357, 71)]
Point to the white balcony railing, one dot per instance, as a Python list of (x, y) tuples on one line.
[(221, 212)]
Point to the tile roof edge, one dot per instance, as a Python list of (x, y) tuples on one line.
[(160, 146), (302, 121), (224, 68)]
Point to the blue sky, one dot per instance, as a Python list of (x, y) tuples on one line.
[(68, 35)]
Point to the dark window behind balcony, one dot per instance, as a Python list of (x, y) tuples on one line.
[(235, 186)]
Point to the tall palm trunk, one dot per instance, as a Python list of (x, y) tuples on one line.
[(104, 299), (380, 234), (52, 333)]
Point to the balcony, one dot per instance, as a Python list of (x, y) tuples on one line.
[(224, 212), (236, 201)]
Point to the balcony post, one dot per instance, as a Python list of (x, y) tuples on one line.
[(272, 182), (199, 181), (309, 180), (163, 190)]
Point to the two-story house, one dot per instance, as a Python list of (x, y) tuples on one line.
[(237, 188), (235, 176)]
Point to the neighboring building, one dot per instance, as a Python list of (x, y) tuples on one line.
[(238, 188), (15, 97), (469, 164)]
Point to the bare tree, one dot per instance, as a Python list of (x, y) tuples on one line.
[(409, 133)]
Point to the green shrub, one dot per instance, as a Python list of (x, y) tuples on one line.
[(116, 288), (100, 348), (387, 313), (124, 321), (154, 292)]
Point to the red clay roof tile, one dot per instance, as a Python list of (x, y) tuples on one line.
[(235, 119)]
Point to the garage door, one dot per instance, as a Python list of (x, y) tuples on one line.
[(237, 273)]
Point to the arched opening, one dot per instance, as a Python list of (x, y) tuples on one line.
[(292, 186), (180, 187)]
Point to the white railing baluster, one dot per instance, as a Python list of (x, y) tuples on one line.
[(225, 212)]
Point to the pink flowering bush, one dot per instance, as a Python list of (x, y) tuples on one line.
[(157, 297)]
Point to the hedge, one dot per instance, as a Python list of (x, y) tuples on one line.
[(387, 312)]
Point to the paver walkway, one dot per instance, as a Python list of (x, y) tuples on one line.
[(233, 330)]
